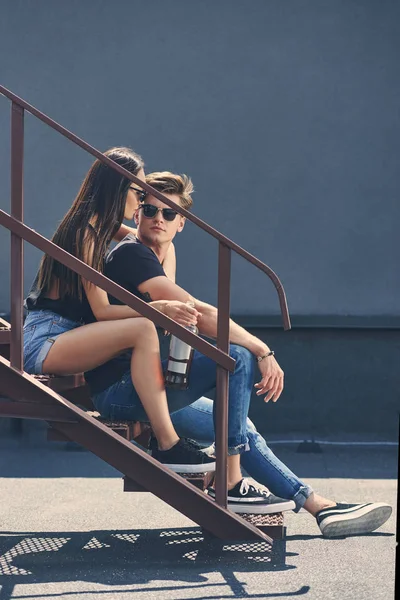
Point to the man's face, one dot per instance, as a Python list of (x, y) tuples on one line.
[(157, 230)]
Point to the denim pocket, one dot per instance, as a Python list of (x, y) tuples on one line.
[(59, 326), (28, 335)]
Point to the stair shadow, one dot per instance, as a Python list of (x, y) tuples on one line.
[(132, 557)]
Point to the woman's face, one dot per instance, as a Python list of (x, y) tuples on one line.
[(133, 197)]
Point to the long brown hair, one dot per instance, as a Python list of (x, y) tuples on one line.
[(93, 219)]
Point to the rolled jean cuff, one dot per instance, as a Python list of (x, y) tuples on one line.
[(239, 449), (232, 450), (301, 496)]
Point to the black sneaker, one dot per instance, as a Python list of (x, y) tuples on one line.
[(246, 498), (185, 457), (352, 519)]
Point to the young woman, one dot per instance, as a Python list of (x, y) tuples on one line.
[(56, 340)]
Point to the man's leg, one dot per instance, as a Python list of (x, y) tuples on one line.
[(334, 520), (196, 421), (202, 380)]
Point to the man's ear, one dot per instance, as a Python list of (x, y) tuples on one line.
[(181, 224), (136, 216)]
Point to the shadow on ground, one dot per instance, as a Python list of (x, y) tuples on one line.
[(132, 557)]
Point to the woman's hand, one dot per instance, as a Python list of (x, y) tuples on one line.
[(182, 313), (271, 379)]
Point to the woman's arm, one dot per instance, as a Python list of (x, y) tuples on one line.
[(123, 231), (98, 298), (104, 311)]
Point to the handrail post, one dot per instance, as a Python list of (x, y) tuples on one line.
[(222, 391), (17, 255)]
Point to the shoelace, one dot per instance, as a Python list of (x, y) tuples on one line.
[(194, 447), (192, 443), (245, 487)]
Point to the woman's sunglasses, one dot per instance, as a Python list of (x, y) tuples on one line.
[(150, 211), (141, 193)]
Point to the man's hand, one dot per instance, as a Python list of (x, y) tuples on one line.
[(271, 379), (181, 312)]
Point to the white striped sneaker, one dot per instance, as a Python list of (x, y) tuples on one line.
[(246, 498), (352, 519)]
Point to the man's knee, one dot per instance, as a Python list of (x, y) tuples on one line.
[(244, 358), (251, 428)]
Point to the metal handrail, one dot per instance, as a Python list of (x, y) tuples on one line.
[(20, 231), (32, 237), (190, 216)]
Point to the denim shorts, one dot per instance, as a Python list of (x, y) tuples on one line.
[(41, 329)]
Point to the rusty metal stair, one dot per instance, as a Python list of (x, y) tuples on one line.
[(30, 398), (74, 388)]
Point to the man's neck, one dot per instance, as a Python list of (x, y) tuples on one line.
[(160, 250)]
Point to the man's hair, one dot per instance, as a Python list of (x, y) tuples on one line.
[(169, 183)]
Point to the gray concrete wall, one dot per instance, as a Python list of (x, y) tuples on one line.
[(286, 116), (336, 381), (342, 382), (284, 113)]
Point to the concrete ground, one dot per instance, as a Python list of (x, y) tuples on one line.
[(67, 530)]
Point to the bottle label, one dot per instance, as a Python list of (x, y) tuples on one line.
[(179, 350), (177, 367)]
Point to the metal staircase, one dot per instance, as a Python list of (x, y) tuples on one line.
[(63, 401)]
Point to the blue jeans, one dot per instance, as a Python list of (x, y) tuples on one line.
[(120, 401), (193, 416), (196, 422)]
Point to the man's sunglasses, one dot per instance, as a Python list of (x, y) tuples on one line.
[(141, 193), (150, 211)]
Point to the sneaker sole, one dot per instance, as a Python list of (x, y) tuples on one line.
[(365, 521), (191, 468), (254, 508)]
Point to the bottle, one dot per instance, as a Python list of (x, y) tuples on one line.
[(179, 361)]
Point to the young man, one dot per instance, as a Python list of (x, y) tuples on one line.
[(135, 263)]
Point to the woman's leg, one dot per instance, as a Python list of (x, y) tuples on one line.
[(89, 346), (203, 380)]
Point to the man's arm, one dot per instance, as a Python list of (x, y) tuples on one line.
[(160, 288), (169, 263)]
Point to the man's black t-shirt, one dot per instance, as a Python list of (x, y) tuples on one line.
[(129, 264)]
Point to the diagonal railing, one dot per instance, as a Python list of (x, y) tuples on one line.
[(20, 232)]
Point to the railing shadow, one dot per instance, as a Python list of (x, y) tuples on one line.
[(134, 557)]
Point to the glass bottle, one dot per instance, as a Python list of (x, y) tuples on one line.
[(179, 361)]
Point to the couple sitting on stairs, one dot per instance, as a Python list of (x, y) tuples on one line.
[(74, 326)]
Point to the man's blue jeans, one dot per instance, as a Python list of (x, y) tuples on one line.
[(192, 416)]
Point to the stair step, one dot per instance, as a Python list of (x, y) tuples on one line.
[(272, 525), (199, 480), (129, 430), (5, 338), (60, 383)]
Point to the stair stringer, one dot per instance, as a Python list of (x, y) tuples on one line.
[(128, 459)]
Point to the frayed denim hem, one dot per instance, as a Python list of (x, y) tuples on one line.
[(301, 496), (239, 449), (232, 450)]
